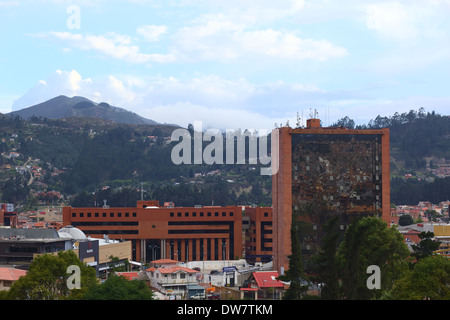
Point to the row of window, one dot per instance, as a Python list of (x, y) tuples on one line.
[(104, 214), (172, 214), (202, 214)]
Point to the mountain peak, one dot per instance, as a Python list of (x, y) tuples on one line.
[(64, 107)]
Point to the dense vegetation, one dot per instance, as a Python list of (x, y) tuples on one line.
[(372, 262), (92, 153), (48, 279)]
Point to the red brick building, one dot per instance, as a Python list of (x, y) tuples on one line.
[(258, 242), (179, 233), (323, 173)]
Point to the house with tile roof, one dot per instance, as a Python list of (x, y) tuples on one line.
[(8, 276), (265, 285), (174, 281)]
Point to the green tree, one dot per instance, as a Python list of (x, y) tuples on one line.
[(47, 279), (325, 264), (405, 220), (298, 284), (368, 241), (430, 279), (426, 246), (119, 288)]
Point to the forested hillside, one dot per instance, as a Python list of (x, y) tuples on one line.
[(81, 156), (85, 161)]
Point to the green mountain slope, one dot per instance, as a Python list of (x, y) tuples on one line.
[(65, 107)]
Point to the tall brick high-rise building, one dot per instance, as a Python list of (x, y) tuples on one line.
[(324, 173)]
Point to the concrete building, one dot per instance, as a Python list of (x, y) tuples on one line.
[(175, 281), (323, 173), (19, 247), (178, 233)]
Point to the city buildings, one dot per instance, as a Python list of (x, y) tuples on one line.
[(8, 217), (19, 247), (324, 173), (178, 233)]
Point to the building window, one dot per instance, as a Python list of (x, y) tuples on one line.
[(179, 214), (89, 214), (194, 214), (182, 276), (231, 213), (96, 214), (111, 214), (172, 214), (119, 214), (134, 214), (81, 214), (201, 214), (209, 214), (216, 214), (127, 214), (74, 214), (186, 214), (266, 214), (104, 214)]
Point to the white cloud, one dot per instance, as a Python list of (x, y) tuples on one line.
[(221, 39), (60, 82), (218, 102), (71, 83), (409, 20), (7, 4), (224, 103), (183, 113), (114, 45), (152, 33), (250, 11), (393, 19)]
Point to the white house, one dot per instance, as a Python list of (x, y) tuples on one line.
[(175, 281)]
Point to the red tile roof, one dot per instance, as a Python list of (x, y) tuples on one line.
[(11, 274), (129, 275), (173, 269), (164, 261), (267, 279)]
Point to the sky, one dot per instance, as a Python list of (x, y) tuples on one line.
[(248, 64)]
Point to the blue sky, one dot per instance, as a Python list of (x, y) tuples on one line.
[(230, 64)]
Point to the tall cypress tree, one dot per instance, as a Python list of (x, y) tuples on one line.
[(295, 274), (325, 263)]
